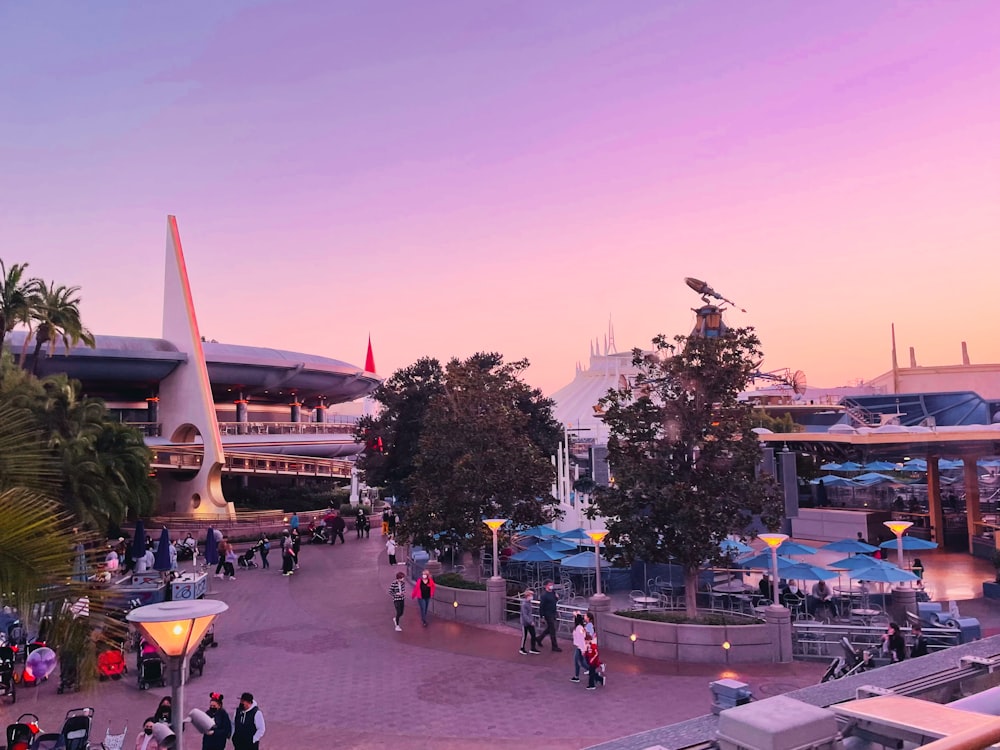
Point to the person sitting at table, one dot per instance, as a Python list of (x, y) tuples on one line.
[(821, 597), (918, 569), (765, 587), (791, 597)]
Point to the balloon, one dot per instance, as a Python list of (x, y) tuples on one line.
[(41, 662)]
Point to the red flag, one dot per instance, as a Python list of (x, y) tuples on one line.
[(370, 359)]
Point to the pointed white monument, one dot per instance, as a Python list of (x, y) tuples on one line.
[(186, 408)]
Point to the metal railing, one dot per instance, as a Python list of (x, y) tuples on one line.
[(190, 459), (816, 640), (340, 425)]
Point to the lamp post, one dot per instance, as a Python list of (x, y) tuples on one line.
[(898, 528), (774, 541), (495, 524), (597, 536), (177, 629)]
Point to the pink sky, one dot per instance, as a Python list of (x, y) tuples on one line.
[(455, 177)]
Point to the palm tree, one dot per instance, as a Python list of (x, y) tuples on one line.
[(55, 316), (17, 297)]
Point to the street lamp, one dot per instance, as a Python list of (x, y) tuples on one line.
[(597, 536), (774, 541), (495, 524), (177, 629), (898, 528)]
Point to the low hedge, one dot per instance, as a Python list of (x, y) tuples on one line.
[(455, 581), (679, 618)]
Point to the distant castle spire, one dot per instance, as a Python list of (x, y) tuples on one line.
[(370, 359)]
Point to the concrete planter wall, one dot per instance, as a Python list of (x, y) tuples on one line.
[(472, 605), (688, 643)]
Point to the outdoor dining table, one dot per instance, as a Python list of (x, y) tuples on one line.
[(645, 601), (732, 587), (865, 615)]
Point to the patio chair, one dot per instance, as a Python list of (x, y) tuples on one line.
[(633, 596)]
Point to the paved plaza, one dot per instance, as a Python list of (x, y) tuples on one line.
[(319, 652)]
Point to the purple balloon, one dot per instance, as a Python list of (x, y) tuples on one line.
[(41, 662)]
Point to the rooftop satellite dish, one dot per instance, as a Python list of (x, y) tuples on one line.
[(798, 383)]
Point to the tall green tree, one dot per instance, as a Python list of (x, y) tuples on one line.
[(476, 443), (684, 455), (54, 316), (392, 438), (17, 297)]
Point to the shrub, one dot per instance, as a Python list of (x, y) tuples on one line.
[(455, 581)]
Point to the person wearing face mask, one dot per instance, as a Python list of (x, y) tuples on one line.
[(146, 740), (217, 738), (423, 592), (248, 728)]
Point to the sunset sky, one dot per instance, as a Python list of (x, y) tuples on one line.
[(453, 177)]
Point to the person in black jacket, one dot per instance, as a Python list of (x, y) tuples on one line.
[(919, 647), (547, 610), (217, 738), (893, 643), (248, 726)]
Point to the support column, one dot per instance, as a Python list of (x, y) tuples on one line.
[(934, 500), (153, 409), (790, 489), (320, 412), (295, 414), (903, 600), (973, 510), (597, 605), (496, 600), (779, 621), (242, 415)]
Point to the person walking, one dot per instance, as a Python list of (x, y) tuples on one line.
[(893, 643), (547, 610), (287, 555), (919, 647), (146, 740), (220, 547), (217, 737), (423, 592), (579, 647), (248, 724), (528, 624), (265, 547), (338, 529), (231, 558), (293, 522), (385, 521), (390, 548), (361, 523), (397, 590), (296, 546), (593, 657)]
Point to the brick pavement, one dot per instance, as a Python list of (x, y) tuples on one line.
[(319, 651)]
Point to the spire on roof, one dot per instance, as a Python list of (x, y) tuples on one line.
[(370, 359)]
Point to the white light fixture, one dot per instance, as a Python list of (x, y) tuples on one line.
[(176, 628), (774, 541), (898, 528), (597, 536), (495, 524)]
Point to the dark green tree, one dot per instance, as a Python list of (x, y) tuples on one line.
[(54, 315), (684, 455), (478, 445), (392, 439), (17, 298)]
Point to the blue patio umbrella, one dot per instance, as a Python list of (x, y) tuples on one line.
[(540, 532), (915, 464), (138, 541), (576, 533), (858, 562), (830, 467), (879, 466), (884, 574), (946, 464), (763, 562), (834, 482), (735, 546), (537, 553), (583, 560), (804, 572), (850, 466), (161, 560), (557, 545), (788, 547), (211, 548), (873, 477), (910, 543), (849, 545)]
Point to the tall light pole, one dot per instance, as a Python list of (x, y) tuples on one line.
[(774, 541), (177, 629), (495, 524), (597, 536), (898, 528)]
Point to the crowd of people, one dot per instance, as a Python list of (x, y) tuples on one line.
[(245, 728)]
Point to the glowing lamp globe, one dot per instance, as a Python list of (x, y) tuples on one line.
[(897, 527), (177, 627)]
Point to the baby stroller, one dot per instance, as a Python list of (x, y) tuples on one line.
[(150, 667), (320, 535), (17, 640), (7, 687), (246, 559), (75, 734), (854, 661), (22, 733), (187, 548), (69, 672), (111, 664), (114, 741), (197, 661)]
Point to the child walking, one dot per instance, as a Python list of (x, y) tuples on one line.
[(397, 590)]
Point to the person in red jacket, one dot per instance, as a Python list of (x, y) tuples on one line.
[(423, 592)]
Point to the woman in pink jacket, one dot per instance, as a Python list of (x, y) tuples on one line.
[(423, 592)]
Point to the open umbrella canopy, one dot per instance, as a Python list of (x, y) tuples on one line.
[(537, 553), (763, 562), (858, 562), (850, 466), (788, 547), (735, 546), (557, 545), (849, 545), (804, 572), (139, 540), (578, 533), (211, 548), (583, 560), (915, 464), (161, 561), (947, 464), (540, 532), (830, 467), (884, 574), (872, 477), (909, 543), (833, 482), (879, 466)]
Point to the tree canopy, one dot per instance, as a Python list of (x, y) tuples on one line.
[(460, 444), (683, 454)]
